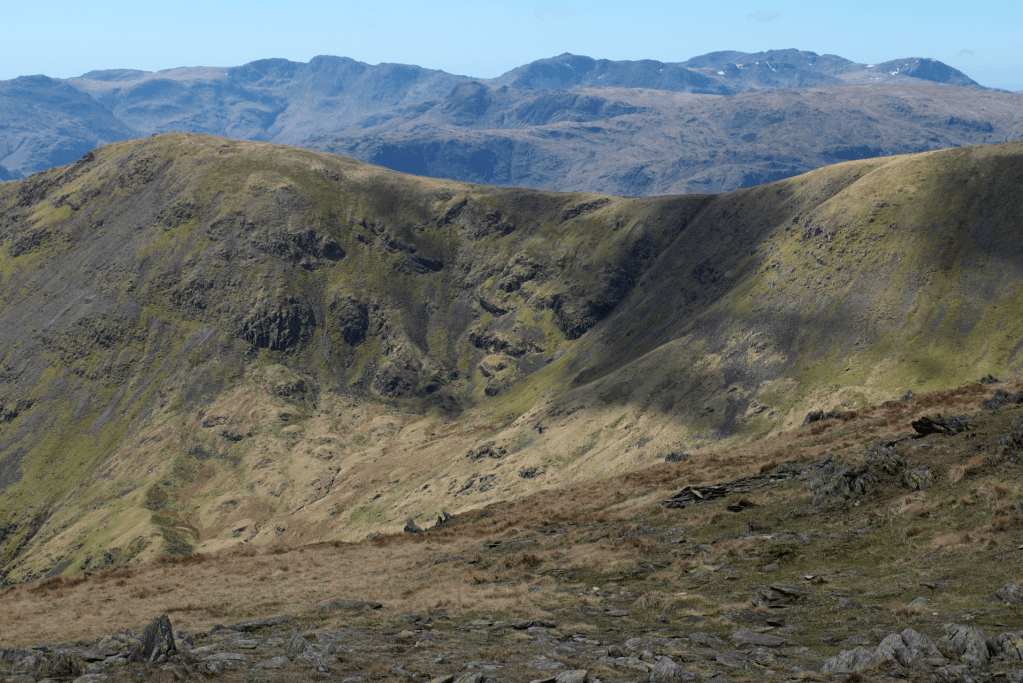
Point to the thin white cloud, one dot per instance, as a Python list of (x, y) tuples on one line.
[(763, 16), (552, 11), (966, 53), (363, 20)]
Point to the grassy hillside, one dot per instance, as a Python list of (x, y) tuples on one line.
[(777, 573), (208, 342)]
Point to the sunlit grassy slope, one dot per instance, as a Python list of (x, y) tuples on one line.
[(205, 342)]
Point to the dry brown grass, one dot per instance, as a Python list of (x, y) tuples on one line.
[(901, 609), (734, 548), (991, 489), (957, 472)]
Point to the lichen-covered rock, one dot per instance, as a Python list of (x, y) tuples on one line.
[(1011, 644), (884, 456), (968, 643), (918, 478), (411, 527)]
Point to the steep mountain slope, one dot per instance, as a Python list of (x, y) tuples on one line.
[(648, 142), (208, 342), (404, 110)]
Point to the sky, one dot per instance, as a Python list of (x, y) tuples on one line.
[(61, 39)]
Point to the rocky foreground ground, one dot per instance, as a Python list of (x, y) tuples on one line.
[(895, 561), (432, 647)]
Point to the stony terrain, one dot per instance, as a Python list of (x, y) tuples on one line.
[(570, 122), (874, 545)]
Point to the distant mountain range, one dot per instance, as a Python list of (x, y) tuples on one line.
[(712, 123)]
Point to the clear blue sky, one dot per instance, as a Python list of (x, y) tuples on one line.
[(61, 38)]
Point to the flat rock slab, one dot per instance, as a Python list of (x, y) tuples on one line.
[(573, 676), (257, 624), (349, 605), (273, 663), (747, 637)]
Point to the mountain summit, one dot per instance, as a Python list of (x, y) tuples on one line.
[(570, 122)]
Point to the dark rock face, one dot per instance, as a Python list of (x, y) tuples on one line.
[(352, 320), (487, 450), (277, 326), (303, 247), (949, 426), (579, 309)]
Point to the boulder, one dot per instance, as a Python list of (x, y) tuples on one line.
[(157, 640), (1009, 594), (667, 671), (949, 426), (1001, 398), (909, 649), (968, 643), (297, 645), (411, 527), (818, 415), (573, 676)]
